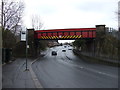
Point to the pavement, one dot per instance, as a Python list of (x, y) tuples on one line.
[(15, 75)]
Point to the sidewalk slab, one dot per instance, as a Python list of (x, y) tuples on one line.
[(15, 76)]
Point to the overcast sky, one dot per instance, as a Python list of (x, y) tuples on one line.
[(56, 14)]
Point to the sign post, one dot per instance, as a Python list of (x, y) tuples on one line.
[(26, 49), (24, 37)]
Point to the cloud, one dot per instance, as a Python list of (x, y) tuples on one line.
[(72, 13)]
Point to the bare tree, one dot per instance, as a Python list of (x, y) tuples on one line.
[(11, 14), (36, 22)]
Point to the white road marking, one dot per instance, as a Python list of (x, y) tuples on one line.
[(92, 70), (81, 67)]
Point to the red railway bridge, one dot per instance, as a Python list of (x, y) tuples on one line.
[(65, 34), (89, 34)]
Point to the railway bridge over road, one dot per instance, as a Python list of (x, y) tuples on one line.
[(89, 34), (68, 34), (65, 34)]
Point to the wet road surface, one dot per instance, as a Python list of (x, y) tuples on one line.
[(68, 71)]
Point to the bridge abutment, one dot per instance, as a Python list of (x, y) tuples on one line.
[(33, 44)]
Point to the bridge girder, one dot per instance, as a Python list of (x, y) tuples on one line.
[(66, 34)]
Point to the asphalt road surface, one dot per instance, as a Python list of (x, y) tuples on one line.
[(68, 71)]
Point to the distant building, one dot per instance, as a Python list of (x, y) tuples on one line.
[(112, 31), (52, 43)]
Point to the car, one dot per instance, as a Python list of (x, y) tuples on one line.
[(65, 46), (70, 49), (63, 50), (54, 52)]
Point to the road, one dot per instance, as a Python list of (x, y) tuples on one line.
[(68, 71)]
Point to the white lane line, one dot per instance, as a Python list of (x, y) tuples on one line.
[(34, 77), (81, 67), (109, 75), (92, 70), (102, 73)]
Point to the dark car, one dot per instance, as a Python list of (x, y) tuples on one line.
[(63, 50), (70, 49), (65, 46), (54, 53)]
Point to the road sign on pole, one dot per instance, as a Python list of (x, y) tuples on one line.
[(26, 49), (23, 35)]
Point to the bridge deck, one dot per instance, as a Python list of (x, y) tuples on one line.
[(65, 34)]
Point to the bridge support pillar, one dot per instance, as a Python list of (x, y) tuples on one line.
[(32, 51), (90, 44), (100, 32)]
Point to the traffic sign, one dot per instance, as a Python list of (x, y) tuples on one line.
[(23, 35)]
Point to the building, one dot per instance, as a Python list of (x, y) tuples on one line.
[(52, 43)]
